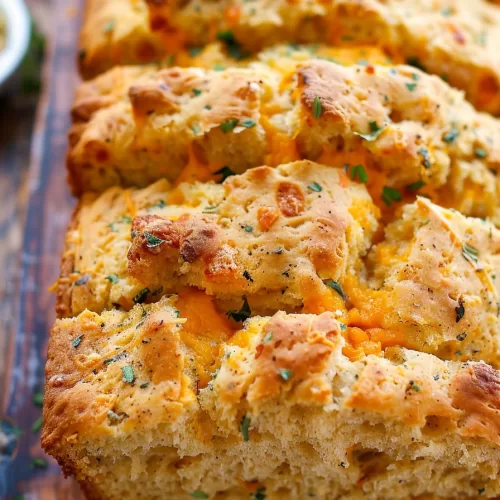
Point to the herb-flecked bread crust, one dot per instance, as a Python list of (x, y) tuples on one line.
[(455, 39), (188, 123), (287, 414)]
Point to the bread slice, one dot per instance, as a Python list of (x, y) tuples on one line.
[(457, 40), (287, 414), (301, 237), (270, 235), (393, 123)]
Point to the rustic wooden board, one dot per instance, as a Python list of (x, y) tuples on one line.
[(48, 212)]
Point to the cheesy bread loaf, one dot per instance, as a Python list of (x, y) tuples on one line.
[(393, 126), (286, 414), (301, 237), (456, 39)]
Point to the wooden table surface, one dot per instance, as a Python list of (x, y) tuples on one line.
[(36, 206)]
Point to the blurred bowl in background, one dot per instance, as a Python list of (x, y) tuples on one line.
[(17, 32)]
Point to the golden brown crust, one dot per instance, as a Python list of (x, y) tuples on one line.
[(476, 391), (278, 379), (220, 246), (455, 39), (408, 130)]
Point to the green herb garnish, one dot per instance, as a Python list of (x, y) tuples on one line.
[(229, 125), (460, 310), (37, 425), (225, 172), (315, 187), (76, 342), (141, 296), (451, 135), (113, 278), (415, 186), (244, 425), (335, 285), (317, 108), (360, 172), (38, 463), (390, 195), (375, 131), (285, 374), (152, 241), (198, 494), (128, 374), (243, 314), (470, 253), (248, 123)]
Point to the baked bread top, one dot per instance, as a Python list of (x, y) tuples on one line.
[(456, 39), (124, 388), (301, 237), (391, 125)]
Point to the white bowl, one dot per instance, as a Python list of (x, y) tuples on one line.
[(18, 33)]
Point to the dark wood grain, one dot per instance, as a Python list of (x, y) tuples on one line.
[(30, 261)]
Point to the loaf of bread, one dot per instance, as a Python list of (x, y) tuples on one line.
[(280, 280), (287, 413), (455, 39)]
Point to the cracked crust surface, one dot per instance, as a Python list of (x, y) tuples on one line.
[(455, 39), (122, 399), (410, 131)]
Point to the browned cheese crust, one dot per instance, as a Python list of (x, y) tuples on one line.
[(455, 39)]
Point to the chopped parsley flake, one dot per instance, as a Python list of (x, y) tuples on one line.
[(460, 310), (113, 278), (415, 186), (480, 491), (152, 241), (416, 63), (195, 127), (83, 280), (225, 172), (37, 424), (110, 26), (76, 342), (144, 385), (480, 153), (229, 125), (158, 204), (196, 91), (267, 338), (260, 494), (425, 153), (248, 229), (360, 172), (248, 123), (335, 285), (128, 374), (317, 108), (141, 296), (210, 210), (315, 187), (285, 374), (411, 86), (198, 494), (390, 195), (375, 131), (38, 399), (233, 47), (470, 253), (461, 337), (194, 51), (241, 315), (38, 463), (244, 425), (450, 136)]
